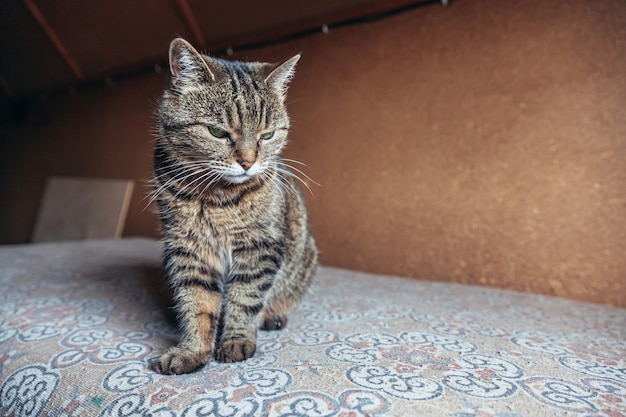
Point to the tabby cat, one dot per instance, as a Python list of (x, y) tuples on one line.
[(237, 249)]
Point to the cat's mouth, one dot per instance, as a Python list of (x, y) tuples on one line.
[(239, 175)]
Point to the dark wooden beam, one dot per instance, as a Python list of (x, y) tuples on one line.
[(322, 23), (281, 33), (54, 38), (189, 19)]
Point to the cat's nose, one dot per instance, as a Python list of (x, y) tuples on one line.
[(245, 164)]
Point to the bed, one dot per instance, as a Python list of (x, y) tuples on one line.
[(81, 322)]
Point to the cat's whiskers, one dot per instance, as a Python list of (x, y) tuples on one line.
[(180, 168), (294, 161), (180, 176), (286, 169), (278, 180), (211, 171), (180, 165), (205, 173), (155, 194), (200, 174), (212, 176), (291, 174), (218, 177), (181, 172), (284, 164)]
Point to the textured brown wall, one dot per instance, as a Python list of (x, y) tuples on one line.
[(483, 143)]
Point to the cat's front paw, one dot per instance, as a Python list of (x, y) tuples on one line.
[(235, 350), (180, 361)]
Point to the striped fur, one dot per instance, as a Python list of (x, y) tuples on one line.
[(237, 249)]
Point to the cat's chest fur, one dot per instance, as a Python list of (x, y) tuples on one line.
[(227, 227)]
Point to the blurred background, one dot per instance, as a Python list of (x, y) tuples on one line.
[(480, 141)]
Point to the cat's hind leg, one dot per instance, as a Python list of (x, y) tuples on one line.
[(273, 321), (288, 289)]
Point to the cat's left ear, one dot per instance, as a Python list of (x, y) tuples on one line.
[(280, 74), (187, 66)]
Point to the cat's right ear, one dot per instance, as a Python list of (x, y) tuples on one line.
[(187, 67)]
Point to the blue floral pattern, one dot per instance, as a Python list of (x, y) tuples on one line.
[(81, 323)]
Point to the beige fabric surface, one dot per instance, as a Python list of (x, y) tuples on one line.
[(81, 322)]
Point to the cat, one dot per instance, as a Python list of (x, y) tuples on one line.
[(237, 249)]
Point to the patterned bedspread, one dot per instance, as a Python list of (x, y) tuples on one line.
[(81, 322)]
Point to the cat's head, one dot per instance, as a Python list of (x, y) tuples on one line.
[(228, 115)]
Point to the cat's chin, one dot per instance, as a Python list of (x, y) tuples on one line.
[(238, 179)]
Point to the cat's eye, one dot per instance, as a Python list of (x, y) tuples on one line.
[(217, 132), (267, 135)]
